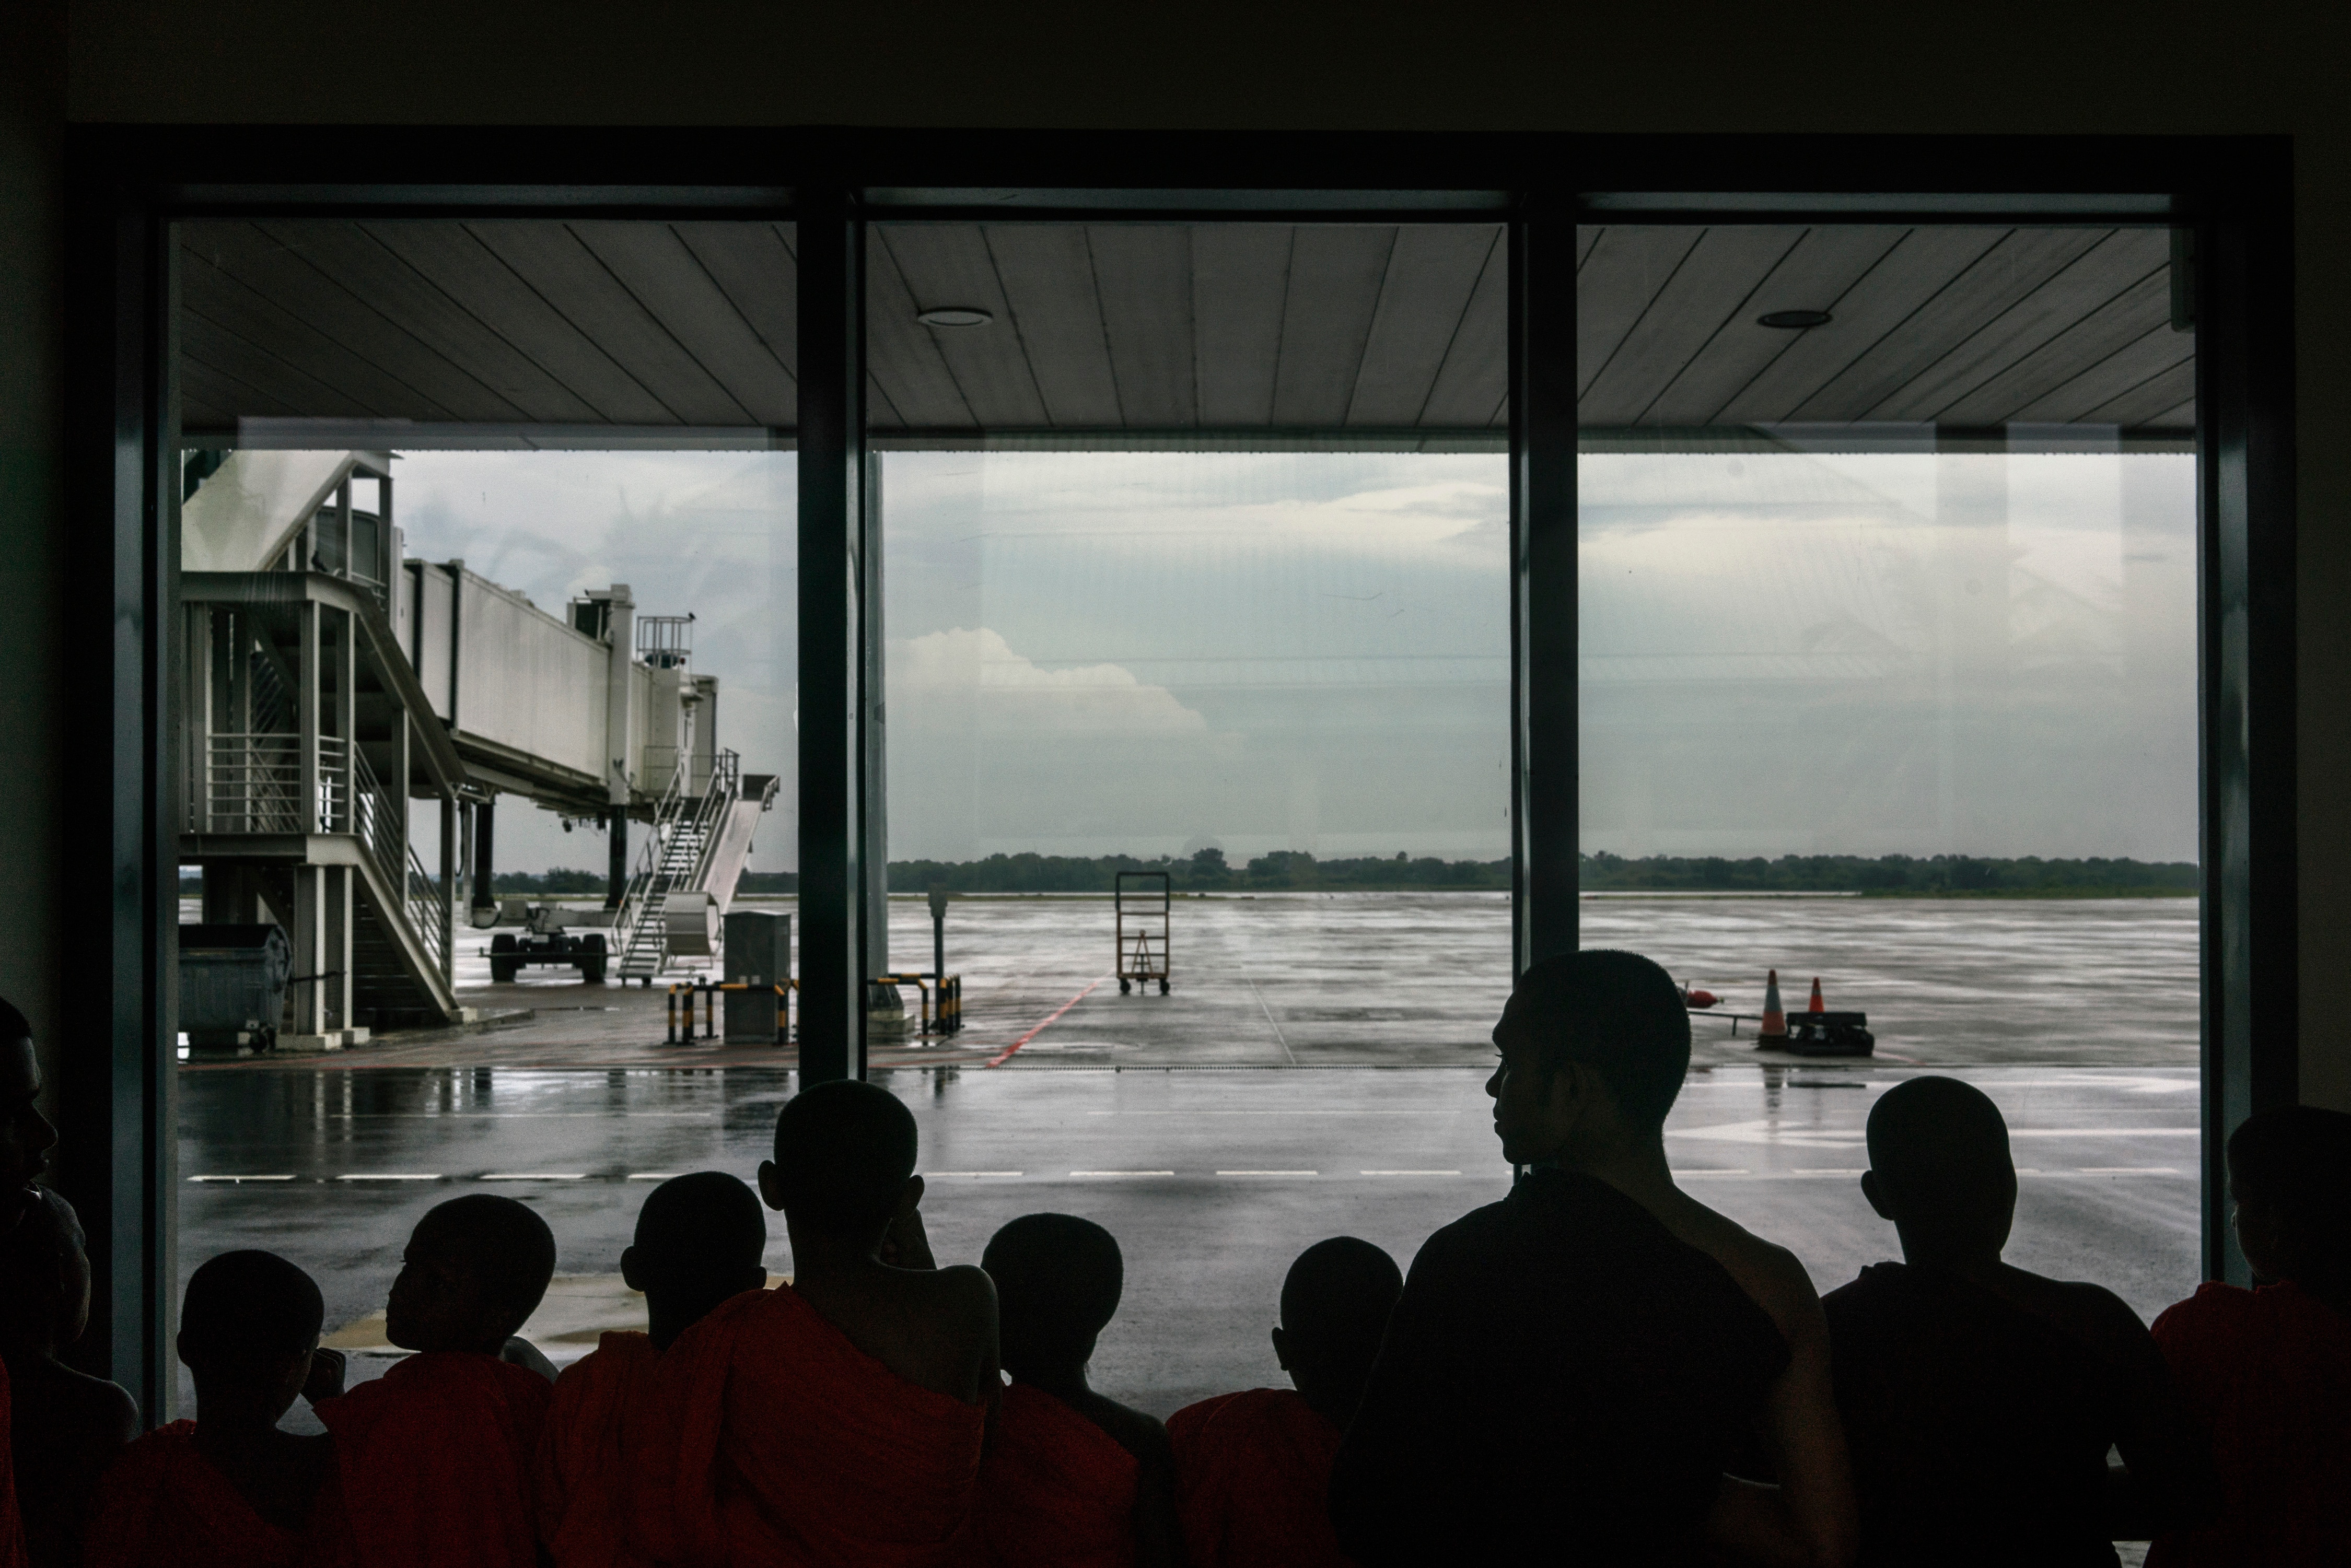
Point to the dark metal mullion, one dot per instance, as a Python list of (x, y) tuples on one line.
[(117, 1144), (1544, 807), (834, 560), (2246, 497)]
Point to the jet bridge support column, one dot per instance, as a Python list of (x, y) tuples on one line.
[(486, 894)]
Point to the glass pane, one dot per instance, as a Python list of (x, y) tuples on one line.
[(1887, 618), (1197, 575), (488, 531)]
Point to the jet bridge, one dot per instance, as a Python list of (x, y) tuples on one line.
[(330, 683)]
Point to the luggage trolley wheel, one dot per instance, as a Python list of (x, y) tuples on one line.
[(1124, 985), (1162, 986)]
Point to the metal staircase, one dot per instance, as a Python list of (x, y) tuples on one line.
[(676, 859)]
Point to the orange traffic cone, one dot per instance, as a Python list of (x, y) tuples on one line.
[(1817, 1005), (1775, 1020)]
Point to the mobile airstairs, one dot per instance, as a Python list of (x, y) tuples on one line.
[(686, 877), (327, 683)]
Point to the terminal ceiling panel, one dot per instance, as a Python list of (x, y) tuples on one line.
[(545, 331)]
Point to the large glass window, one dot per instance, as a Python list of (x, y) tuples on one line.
[(490, 590), (1888, 566)]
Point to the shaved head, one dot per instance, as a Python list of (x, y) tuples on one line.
[(505, 1243), (248, 1312), (844, 1152), (1058, 1281), (707, 1223), (476, 1268), (1338, 1295), (1616, 1013), (1939, 1152)]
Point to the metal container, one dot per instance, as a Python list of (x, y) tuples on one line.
[(232, 986), (758, 958)]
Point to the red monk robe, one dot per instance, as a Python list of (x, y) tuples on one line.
[(1253, 1477), (436, 1460), (2267, 1375), (11, 1523), (161, 1503), (775, 1441), (582, 1479), (1055, 1491)]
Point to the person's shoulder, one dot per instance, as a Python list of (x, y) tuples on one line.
[(2092, 1316), (2214, 1303), (1861, 1296), (1141, 1434), (1773, 1278), (103, 1412), (150, 1455), (961, 1293), (1189, 1424)]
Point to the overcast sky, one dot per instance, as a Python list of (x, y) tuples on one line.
[(1092, 652)]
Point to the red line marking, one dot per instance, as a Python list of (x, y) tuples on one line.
[(1057, 1012)]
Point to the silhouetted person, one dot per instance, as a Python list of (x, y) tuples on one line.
[(837, 1419), (436, 1455), (25, 1139), (2266, 1373), (66, 1425), (1072, 1479), (1253, 1469), (699, 1242), (228, 1489), (1569, 1371), (1981, 1400)]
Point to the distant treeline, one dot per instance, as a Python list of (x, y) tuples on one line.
[(1899, 877), (1896, 876)]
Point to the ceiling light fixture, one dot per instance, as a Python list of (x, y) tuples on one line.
[(1793, 320), (955, 316)]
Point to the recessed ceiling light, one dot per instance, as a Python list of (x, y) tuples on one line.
[(1794, 320), (955, 316)]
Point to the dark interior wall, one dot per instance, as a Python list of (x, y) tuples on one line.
[(32, 553), (1820, 66)]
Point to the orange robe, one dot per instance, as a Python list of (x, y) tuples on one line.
[(777, 1442), (1253, 1479), (2267, 1375), (161, 1503), (1055, 1491), (581, 1481), (436, 1460)]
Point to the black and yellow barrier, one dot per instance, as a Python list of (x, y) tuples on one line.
[(941, 1015), (709, 990)]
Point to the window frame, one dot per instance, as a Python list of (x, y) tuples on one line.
[(129, 185)]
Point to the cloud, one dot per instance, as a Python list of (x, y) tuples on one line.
[(1003, 691)]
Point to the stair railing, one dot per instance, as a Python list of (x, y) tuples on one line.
[(380, 826)]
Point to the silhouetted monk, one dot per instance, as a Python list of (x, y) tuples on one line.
[(436, 1455), (836, 1419), (1981, 1400), (1253, 1469), (66, 1427), (2266, 1373), (699, 1242), (1072, 1480), (1569, 1371), (229, 1490)]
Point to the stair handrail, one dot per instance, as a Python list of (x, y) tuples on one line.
[(725, 787), (629, 919), (376, 823)]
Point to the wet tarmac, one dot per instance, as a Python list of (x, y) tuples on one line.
[(1211, 1180), (1389, 980)]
